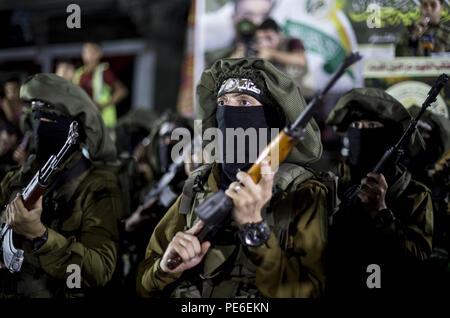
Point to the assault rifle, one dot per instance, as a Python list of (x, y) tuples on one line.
[(161, 190), (393, 155), (217, 207), (13, 257)]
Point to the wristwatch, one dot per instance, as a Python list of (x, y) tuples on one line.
[(385, 217), (255, 234), (39, 241)]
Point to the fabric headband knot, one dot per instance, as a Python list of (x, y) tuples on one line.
[(239, 85)]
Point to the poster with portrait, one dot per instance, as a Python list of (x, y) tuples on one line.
[(327, 29)]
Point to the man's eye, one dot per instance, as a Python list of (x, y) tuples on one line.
[(245, 102), (221, 103)]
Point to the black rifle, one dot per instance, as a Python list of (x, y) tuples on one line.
[(12, 257), (218, 206), (393, 155), (160, 191)]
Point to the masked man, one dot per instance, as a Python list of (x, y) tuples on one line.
[(73, 228), (388, 227), (432, 166), (285, 258), (161, 181)]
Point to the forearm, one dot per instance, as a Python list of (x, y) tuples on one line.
[(411, 235), (407, 240), (96, 263), (282, 276), (94, 249), (297, 271), (152, 278)]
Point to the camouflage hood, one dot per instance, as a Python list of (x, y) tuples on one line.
[(138, 116), (374, 104), (153, 149), (70, 100), (277, 87), (441, 123)]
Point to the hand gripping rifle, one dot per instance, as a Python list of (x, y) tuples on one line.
[(161, 190), (13, 257), (394, 153), (217, 207)]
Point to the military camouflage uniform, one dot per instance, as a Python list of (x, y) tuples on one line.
[(408, 47), (132, 128), (290, 264), (135, 242), (400, 247), (80, 209), (439, 263)]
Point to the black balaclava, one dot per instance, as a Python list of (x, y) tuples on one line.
[(366, 147), (241, 117), (49, 136)]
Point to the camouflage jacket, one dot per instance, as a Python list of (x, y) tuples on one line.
[(81, 215), (289, 267), (399, 248)]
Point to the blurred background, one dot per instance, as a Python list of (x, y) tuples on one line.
[(158, 48), (143, 42)]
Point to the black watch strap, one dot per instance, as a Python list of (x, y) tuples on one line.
[(255, 234), (385, 217), (39, 241)]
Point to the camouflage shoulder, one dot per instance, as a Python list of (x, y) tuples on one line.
[(99, 179), (416, 187), (313, 184), (197, 176)]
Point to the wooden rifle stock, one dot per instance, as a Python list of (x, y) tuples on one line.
[(276, 152), (35, 193), (278, 149)]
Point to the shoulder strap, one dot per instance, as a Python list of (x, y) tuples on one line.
[(330, 181), (287, 178), (399, 186), (197, 176), (289, 174)]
